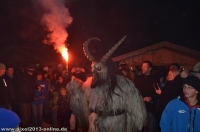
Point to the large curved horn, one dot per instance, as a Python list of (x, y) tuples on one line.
[(108, 54), (86, 50)]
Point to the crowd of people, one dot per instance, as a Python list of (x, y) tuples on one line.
[(40, 94), (171, 100)]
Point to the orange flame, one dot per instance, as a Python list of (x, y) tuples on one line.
[(64, 52), (56, 20)]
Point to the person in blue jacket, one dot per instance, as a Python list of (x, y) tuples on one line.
[(183, 114), (37, 105)]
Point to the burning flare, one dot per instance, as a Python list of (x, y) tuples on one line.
[(64, 52), (56, 20)]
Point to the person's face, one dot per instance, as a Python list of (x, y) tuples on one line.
[(189, 91), (60, 80), (146, 69), (2, 72), (10, 71), (170, 76), (39, 77), (63, 92)]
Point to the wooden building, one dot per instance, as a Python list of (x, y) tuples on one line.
[(161, 55)]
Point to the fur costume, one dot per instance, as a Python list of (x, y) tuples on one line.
[(106, 102)]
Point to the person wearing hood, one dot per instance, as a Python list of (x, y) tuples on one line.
[(183, 113), (26, 85)]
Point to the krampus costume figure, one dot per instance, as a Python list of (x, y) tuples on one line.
[(106, 102)]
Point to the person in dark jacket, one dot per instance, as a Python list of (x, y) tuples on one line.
[(12, 78), (6, 94), (144, 83), (46, 112), (64, 108), (172, 90), (60, 83), (27, 86)]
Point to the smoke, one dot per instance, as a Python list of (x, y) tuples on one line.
[(56, 19)]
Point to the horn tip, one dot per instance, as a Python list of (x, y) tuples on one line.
[(124, 37)]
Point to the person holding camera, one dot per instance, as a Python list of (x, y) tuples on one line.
[(171, 90), (144, 83)]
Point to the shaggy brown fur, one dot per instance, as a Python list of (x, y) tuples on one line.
[(127, 97)]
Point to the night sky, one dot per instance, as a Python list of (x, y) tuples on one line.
[(144, 22)]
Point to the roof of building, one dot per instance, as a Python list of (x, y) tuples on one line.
[(163, 44)]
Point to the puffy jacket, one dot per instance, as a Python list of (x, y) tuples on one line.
[(178, 117)]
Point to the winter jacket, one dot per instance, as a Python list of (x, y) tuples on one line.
[(177, 86), (27, 85), (171, 91), (177, 117), (39, 95), (145, 85), (64, 103), (5, 92), (57, 86), (13, 87)]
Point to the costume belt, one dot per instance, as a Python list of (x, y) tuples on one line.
[(109, 113)]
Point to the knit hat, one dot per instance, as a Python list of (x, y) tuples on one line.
[(193, 81), (196, 69), (2, 66), (8, 119), (30, 67)]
